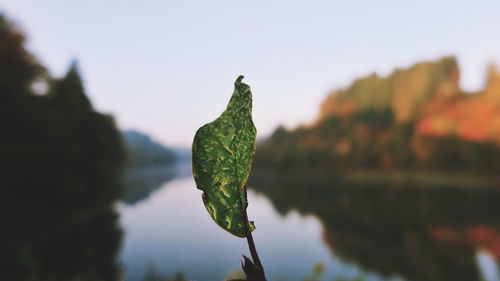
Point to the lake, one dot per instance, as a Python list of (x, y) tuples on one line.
[(372, 233)]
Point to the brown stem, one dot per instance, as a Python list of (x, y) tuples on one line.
[(253, 249)]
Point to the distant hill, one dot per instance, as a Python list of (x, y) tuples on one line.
[(416, 117), (151, 165), (404, 92), (142, 150), (183, 154)]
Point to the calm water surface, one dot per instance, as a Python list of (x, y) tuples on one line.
[(171, 231)]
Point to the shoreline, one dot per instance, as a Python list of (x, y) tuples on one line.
[(376, 178)]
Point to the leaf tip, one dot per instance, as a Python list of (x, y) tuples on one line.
[(238, 80)]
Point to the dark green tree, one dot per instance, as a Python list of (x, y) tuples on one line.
[(18, 68), (60, 168), (68, 92)]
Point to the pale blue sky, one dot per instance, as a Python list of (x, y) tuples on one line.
[(167, 67)]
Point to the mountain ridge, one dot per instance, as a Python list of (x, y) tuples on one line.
[(416, 117), (142, 150)]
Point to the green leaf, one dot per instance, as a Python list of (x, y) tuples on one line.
[(222, 159)]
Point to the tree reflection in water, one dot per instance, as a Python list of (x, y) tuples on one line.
[(141, 182), (420, 233)]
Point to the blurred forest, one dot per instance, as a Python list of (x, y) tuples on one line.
[(416, 118), (61, 165)]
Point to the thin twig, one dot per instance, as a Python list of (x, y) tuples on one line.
[(253, 249)]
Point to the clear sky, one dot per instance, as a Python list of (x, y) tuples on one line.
[(167, 67)]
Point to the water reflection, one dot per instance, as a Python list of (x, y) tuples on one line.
[(83, 249), (420, 233), (172, 231), (142, 181)]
